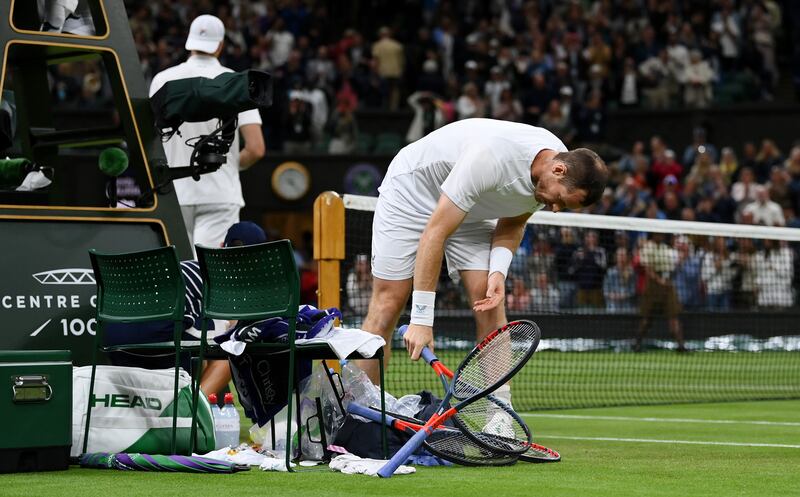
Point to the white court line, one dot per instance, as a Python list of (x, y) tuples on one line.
[(664, 420), (656, 441)]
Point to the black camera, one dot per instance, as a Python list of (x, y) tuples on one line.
[(203, 99)]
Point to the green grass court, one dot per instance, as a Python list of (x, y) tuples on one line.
[(740, 449)]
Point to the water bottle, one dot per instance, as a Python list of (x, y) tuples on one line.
[(226, 423)]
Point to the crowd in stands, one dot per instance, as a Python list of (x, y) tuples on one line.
[(556, 64)]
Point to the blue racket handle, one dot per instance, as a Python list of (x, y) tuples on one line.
[(403, 454), (426, 354), (366, 412)]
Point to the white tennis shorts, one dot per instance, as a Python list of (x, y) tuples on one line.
[(396, 232)]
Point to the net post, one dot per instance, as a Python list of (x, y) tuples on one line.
[(329, 246)]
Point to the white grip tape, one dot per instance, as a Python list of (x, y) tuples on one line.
[(422, 304), (500, 260)]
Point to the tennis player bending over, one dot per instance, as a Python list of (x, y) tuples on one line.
[(465, 191)]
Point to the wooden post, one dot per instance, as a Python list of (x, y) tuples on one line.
[(329, 247)]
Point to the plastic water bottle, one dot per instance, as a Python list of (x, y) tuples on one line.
[(226, 423)]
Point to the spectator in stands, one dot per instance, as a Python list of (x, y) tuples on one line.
[(519, 298), (535, 100), (372, 89), (744, 283), (699, 145), (388, 53), (626, 163), (671, 205), (728, 164), (428, 115), (697, 79), (778, 187), (717, 275), (591, 119), (705, 211), (727, 25), (470, 103), (619, 285), (687, 274), (431, 79), (657, 81), (509, 108), (774, 269), (558, 123), (629, 91), (744, 191), (760, 27), (359, 288), (605, 205), (589, 266), (564, 252), (494, 88), (768, 156), (343, 126), (297, 125), (658, 261), (545, 295), (765, 211), (541, 258), (320, 70), (281, 42), (663, 166)]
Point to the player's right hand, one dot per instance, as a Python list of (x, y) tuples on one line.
[(416, 338)]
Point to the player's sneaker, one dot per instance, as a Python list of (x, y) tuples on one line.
[(501, 425)]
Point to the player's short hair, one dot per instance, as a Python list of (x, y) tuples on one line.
[(585, 171)]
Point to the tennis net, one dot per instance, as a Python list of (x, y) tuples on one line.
[(632, 311)]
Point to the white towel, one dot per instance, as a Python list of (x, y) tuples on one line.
[(350, 464), (342, 341), (274, 464), (345, 341), (240, 455)]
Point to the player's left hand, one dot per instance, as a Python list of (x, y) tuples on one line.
[(495, 293)]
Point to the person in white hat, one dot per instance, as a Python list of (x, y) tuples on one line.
[(209, 206)]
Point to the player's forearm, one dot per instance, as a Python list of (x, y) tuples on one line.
[(429, 259), (509, 231)]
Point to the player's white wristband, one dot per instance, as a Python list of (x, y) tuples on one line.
[(422, 304), (500, 260)]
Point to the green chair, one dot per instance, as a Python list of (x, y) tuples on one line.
[(139, 287), (256, 282)]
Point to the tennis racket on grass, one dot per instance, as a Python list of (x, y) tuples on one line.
[(483, 412), (466, 452), (445, 442), (488, 366)]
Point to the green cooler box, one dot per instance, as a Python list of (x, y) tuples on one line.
[(36, 407)]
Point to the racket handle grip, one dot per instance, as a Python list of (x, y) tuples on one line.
[(426, 354), (366, 412), (403, 454)]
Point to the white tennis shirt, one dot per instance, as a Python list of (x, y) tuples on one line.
[(482, 165), (221, 186)]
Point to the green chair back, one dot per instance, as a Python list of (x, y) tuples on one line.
[(139, 286), (250, 282)]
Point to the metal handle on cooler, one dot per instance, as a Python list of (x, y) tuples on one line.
[(30, 389)]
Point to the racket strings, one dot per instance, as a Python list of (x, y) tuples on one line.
[(454, 445), (493, 424), (502, 354)]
